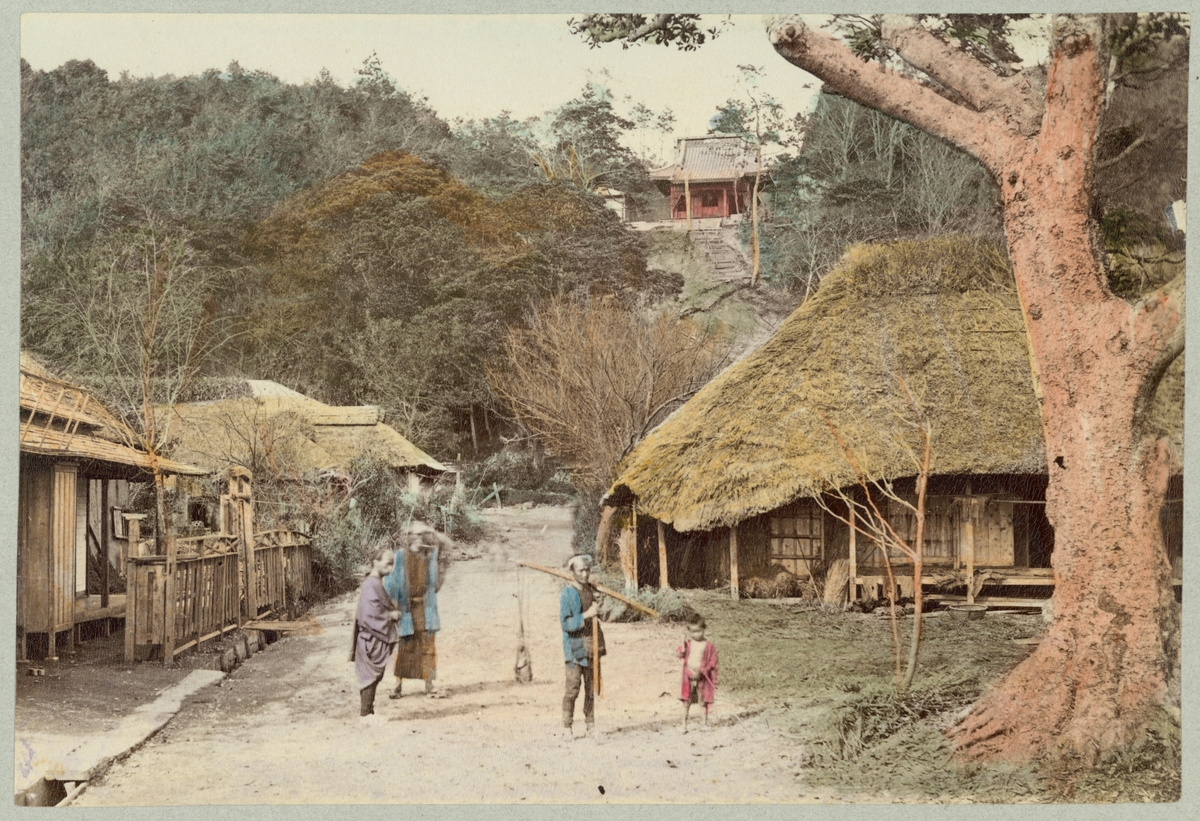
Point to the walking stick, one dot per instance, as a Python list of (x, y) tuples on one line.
[(596, 658)]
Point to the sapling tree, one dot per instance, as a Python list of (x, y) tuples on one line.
[(869, 508), (759, 120)]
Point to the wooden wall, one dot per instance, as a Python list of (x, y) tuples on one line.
[(33, 544), (1009, 530), (994, 535), (46, 530)]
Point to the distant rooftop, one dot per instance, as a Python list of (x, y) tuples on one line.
[(708, 159)]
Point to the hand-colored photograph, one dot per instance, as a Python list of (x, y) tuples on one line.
[(600, 409)]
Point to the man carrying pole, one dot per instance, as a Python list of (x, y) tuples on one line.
[(583, 645)]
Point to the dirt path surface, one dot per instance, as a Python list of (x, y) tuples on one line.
[(283, 728)]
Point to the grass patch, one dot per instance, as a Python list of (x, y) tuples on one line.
[(826, 681), (675, 251), (671, 605)]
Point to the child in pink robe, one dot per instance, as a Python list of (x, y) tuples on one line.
[(699, 669)]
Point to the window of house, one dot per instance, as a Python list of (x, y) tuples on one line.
[(709, 199), (797, 539)]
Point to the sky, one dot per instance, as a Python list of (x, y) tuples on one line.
[(469, 66)]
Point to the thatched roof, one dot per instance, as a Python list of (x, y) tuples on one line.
[(291, 433), (943, 314), (61, 419)]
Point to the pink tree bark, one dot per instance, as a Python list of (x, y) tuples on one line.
[(1102, 670)]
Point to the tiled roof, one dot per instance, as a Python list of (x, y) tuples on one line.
[(707, 159)]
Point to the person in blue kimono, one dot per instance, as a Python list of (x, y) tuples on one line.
[(413, 584), (577, 607)]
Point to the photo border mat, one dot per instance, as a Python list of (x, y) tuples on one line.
[(9, 348)]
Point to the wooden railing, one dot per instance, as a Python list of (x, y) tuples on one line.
[(209, 596), (282, 570), (206, 598)]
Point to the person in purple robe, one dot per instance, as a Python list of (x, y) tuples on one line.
[(374, 629)]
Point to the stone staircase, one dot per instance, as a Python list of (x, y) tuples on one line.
[(719, 245)]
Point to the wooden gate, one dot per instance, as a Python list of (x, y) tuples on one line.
[(208, 585)]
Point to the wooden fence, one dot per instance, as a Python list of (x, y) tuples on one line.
[(206, 593)]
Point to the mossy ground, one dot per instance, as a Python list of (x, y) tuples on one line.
[(825, 680)]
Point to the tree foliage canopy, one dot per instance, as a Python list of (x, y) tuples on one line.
[(349, 242)]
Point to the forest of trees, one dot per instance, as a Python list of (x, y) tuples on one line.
[(347, 242), (352, 244)]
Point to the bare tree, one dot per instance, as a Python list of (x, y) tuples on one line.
[(869, 513), (592, 379), (136, 319)]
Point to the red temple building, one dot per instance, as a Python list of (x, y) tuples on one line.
[(716, 173)]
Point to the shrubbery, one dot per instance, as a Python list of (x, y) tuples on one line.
[(382, 505), (521, 476)]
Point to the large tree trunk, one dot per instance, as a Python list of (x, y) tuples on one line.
[(1104, 666)]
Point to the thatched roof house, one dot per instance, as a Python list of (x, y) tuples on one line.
[(943, 316), (63, 421), (274, 428), (76, 462)]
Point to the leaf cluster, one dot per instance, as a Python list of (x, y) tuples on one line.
[(684, 31)]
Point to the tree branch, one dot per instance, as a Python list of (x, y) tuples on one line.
[(1141, 140), (1159, 327), (1013, 99), (614, 31), (981, 134)]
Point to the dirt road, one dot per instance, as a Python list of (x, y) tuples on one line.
[(284, 727)]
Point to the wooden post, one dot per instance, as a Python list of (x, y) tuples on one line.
[(248, 558), (634, 557), (663, 582), (170, 606), (133, 534), (970, 550), (603, 552), (105, 538), (853, 558), (733, 567), (197, 600)]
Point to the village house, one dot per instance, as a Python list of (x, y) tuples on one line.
[(276, 432), (614, 201), (712, 176), (741, 481), (78, 468)]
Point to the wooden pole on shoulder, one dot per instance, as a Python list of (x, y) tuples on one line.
[(608, 591)]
